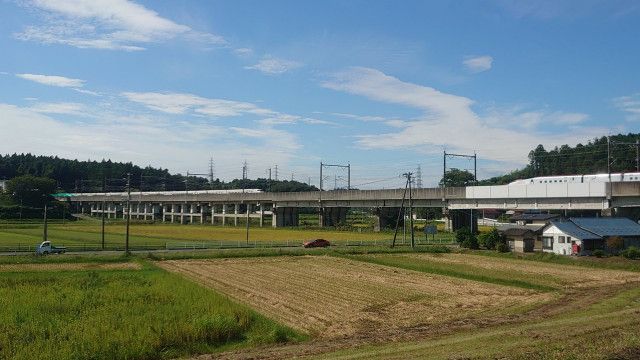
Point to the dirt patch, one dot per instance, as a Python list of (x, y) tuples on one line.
[(339, 298), (69, 266), (565, 275)]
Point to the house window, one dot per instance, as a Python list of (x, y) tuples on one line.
[(568, 239), (547, 242), (560, 239)]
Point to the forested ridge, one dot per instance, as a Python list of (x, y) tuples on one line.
[(87, 176), (589, 158), (76, 175)]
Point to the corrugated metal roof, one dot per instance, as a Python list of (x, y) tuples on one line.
[(609, 226), (572, 229)]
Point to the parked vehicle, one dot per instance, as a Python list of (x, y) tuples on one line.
[(46, 248), (316, 243)]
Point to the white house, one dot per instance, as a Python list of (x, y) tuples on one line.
[(566, 238), (581, 236), (3, 185)]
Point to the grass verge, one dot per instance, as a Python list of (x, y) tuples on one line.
[(612, 263), (455, 270)]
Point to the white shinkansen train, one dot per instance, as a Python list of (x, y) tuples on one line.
[(617, 177), (190, 192)]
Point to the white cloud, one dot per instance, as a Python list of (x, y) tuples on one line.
[(478, 64), (59, 108), (531, 119), (447, 121), (629, 104), (243, 52), (142, 139), (53, 80), (274, 66), (105, 24), (180, 103)]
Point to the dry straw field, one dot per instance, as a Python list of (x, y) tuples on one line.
[(332, 297), (421, 305)]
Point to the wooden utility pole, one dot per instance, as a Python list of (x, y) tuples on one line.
[(126, 239), (248, 208), (103, 206), (401, 212), (44, 230), (413, 240)]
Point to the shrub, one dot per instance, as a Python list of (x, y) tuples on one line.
[(502, 247), (483, 239), (599, 253), (615, 243), (631, 253), (470, 243), (491, 239), (466, 238)]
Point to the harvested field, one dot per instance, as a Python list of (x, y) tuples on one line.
[(69, 266), (333, 297), (562, 275)]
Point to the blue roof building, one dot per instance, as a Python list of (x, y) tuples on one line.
[(581, 236)]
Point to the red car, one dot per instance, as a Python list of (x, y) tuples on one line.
[(316, 243)]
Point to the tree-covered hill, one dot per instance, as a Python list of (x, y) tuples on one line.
[(589, 158), (87, 176)]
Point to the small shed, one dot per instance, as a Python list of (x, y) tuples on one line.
[(520, 239)]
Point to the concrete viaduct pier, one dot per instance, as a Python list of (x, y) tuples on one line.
[(331, 206)]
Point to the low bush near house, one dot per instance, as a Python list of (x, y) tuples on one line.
[(631, 253)]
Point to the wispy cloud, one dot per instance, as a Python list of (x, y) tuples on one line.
[(53, 80), (551, 9), (274, 66), (478, 64), (527, 119), (105, 24), (243, 52), (393, 122), (448, 120), (59, 108), (180, 103), (630, 105)]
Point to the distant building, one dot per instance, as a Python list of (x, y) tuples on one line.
[(3, 185), (581, 236), (534, 219)]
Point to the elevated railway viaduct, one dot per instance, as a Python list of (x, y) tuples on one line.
[(283, 208)]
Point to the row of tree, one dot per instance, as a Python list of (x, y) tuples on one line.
[(589, 158), (91, 176)]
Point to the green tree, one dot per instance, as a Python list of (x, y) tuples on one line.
[(491, 239), (457, 177), (466, 238), (30, 190)]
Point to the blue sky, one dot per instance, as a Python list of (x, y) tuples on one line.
[(384, 85)]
